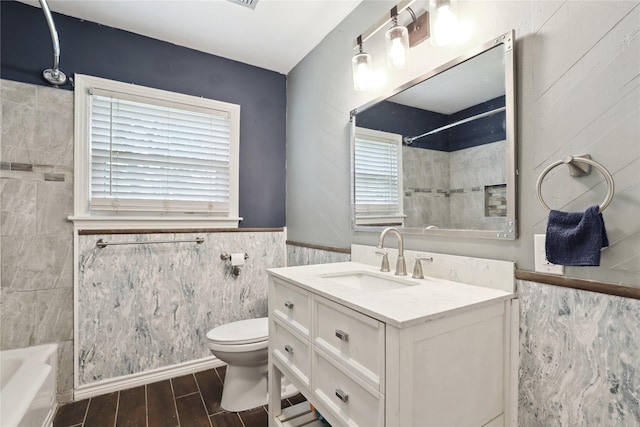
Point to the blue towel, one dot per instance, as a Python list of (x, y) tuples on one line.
[(575, 238)]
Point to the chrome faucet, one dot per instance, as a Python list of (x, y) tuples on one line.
[(401, 267)]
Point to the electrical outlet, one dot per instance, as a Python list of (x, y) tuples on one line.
[(540, 257)]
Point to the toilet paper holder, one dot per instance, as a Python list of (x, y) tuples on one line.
[(227, 256), (234, 266)]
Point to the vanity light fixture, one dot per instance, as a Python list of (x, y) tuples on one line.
[(444, 22), (398, 40), (362, 69)]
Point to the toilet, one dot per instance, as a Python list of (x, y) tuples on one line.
[(243, 345)]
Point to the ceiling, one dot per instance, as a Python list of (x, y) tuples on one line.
[(276, 35), (472, 82)]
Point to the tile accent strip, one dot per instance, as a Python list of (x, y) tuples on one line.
[(36, 172), (58, 177), (22, 167)]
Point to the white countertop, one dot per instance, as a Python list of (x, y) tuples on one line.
[(429, 299)]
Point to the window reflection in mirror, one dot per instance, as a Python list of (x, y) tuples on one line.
[(457, 170), (378, 177)]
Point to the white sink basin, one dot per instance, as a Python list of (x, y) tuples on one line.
[(368, 281)]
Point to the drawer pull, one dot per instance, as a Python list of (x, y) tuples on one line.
[(288, 304), (288, 349), (342, 335), (342, 395)]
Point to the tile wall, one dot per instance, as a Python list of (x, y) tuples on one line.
[(36, 197), (425, 182), (448, 189), (470, 171), (579, 355), (300, 255), (149, 306)]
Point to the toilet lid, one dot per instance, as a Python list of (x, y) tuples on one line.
[(241, 332)]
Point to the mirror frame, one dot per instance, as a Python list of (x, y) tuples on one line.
[(510, 230)]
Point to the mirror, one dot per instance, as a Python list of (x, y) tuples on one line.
[(437, 155)]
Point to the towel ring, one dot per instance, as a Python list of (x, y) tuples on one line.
[(568, 160)]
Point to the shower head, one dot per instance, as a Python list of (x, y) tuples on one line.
[(53, 75)]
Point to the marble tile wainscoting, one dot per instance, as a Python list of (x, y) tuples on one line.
[(142, 307), (305, 254), (579, 355)]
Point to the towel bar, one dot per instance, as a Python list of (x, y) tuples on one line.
[(570, 161), (102, 244)]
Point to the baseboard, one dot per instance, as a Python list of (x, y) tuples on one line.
[(147, 377)]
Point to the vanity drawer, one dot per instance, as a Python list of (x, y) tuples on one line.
[(351, 338), (291, 305), (290, 351), (350, 400)]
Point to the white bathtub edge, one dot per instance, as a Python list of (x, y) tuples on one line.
[(38, 370), (148, 377), (48, 422)]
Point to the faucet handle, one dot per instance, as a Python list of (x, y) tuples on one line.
[(417, 267), (385, 261)]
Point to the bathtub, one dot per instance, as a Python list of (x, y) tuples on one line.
[(28, 386)]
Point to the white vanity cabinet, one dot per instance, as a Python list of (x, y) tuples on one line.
[(362, 367)]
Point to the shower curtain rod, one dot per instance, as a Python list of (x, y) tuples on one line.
[(53, 75), (408, 140)]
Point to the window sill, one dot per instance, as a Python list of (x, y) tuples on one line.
[(380, 220), (150, 223)]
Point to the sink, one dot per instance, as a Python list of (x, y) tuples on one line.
[(368, 281)]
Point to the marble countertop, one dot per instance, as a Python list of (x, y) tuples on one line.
[(426, 299)]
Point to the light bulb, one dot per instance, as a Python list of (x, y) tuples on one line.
[(397, 41), (362, 71), (444, 23), (397, 53)]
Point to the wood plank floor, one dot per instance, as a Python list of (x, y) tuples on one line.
[(188, 401)]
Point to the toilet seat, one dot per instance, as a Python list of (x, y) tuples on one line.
[(250, 331)]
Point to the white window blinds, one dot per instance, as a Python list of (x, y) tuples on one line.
[(157, 156), (378, 170)]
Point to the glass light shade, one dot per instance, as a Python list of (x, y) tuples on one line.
[(397, 41), (362, 71), (444, 22)]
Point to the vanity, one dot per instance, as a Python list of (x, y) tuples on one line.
[(368, 348)]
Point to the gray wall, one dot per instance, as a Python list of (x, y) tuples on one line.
[(577, 87)]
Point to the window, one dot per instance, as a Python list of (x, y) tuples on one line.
[(378, 177), (145, 154)]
